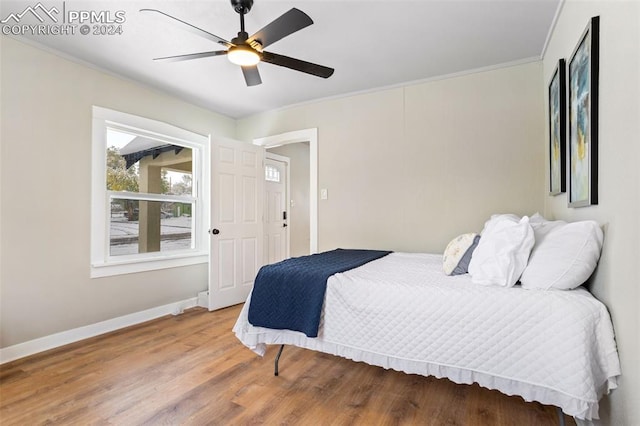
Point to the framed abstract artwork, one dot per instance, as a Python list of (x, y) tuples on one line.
[(558, 130), (583, 118)]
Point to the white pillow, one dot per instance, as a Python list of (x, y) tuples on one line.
[(494, 217), (537, 219), (503, 251), (565, 255)]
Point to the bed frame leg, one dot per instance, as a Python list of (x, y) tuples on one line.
[(275, 371), (560, 415)]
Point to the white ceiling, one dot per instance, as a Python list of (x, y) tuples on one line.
[(370, 44)]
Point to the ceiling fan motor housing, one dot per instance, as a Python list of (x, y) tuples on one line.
[(242, 6), (241, 39)]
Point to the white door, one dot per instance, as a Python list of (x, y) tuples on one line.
[(276, 223), (236, 231)]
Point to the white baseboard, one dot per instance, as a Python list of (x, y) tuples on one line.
[(203, 299), (11, 353)]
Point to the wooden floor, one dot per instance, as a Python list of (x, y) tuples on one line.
[(190, 369)]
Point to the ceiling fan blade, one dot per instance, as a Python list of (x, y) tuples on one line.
[(251, 75), (297, 64), (190, 56), (288, 23), (192, 28)]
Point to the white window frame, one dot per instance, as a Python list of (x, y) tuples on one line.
[(102, 264)]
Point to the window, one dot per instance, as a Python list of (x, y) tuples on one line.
[(271, 173), (148, 195)]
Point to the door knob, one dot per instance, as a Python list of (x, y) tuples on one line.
[(215, 231), (284, 225)]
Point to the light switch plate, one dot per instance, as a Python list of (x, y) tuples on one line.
[(324, 194)]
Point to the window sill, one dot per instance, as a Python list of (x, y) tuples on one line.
[(132, 266)]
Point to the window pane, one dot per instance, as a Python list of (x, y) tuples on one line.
[(271, 173), (139, 164), (149, 226), (119, 176), (178, 183)]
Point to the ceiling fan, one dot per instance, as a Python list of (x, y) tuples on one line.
[(247, 51)]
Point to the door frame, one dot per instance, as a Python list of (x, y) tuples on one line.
[(311, 136), (287, 163)]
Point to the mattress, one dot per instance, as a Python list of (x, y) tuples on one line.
[(401, 312)]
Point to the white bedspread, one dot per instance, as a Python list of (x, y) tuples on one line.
[(402, 312)]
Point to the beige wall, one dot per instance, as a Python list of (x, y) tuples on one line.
[(45, 195), (410, 168), (617, 279), (298, 154)]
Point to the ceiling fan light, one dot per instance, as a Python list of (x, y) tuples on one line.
[(243, 56)]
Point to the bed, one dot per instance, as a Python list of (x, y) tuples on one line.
[(402, 312)]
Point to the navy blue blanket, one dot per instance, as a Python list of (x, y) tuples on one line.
[(289, 294)]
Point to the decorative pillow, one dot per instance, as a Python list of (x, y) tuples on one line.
[(565, 255), (457, 255), (503, 251)]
